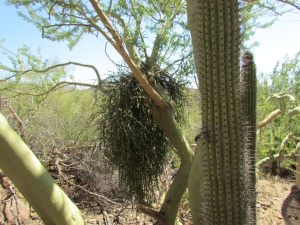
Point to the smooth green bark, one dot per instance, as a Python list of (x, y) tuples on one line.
[(219, 183), (34, 182), (173, 197)]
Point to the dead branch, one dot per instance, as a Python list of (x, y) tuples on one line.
[(284, 142), (106, 218), (269, 118), (62, 175), (275, 157), (280, 154), (19, 121)]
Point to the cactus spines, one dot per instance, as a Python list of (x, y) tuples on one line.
[(248, 95), (249, 89), (219, 176)]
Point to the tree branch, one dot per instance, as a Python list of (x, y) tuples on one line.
[(269, 118), (160, 34), (99, 29), (120, 48), (284, 142), (275, 157), (18, 72), (56, 87), (128, 38), (63, 25), (290, 3)]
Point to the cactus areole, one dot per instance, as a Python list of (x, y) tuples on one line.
[(220, 187)]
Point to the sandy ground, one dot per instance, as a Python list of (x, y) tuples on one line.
[(278, 202)]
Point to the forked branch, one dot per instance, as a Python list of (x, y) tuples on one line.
[(122, 51)]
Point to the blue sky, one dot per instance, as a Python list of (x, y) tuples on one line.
[(275, 42)]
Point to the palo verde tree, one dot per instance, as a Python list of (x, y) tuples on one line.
[(151, 34), (123, 25), (19, 163)]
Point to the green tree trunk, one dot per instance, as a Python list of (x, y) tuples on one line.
[(34, 182), (179, 185), (219, 183)]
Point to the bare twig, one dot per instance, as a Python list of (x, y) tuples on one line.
[(293, 4), (56, 87), (106, 218), (19, 121), (79, 187), (20, 72)]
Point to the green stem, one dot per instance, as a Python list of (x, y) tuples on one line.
[(178, 187), (34, 182)]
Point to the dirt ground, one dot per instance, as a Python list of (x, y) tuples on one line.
[(278, 202)]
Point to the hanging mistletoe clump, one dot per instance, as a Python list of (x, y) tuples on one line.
[(133, 142)]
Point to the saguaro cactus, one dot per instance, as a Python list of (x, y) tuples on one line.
[(249, 89), (220, 187), (248, 93)]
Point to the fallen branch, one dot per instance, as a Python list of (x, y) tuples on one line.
[(106, 218), (79, 187)]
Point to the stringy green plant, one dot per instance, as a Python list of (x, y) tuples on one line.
[(133, 142)]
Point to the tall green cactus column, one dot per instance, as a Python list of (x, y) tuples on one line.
[(248, 93), (220, 187)]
